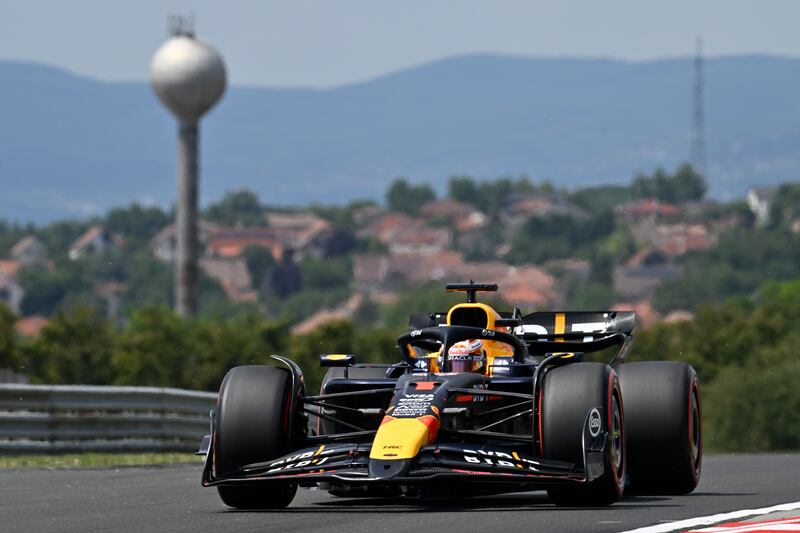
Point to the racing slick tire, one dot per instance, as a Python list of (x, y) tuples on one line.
[(568, 394), (252, 420), (664, 427)]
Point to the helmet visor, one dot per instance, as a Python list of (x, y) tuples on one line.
[(462, 365)]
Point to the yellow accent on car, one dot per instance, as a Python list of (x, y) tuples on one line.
[(561, 326), (400, 438), (491, 314), (336, 356), (433, 361)]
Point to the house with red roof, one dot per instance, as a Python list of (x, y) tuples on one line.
[(233, 242), (30, 326), (647, 209), (460, 215)]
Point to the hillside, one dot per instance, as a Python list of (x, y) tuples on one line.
[(73, 146)]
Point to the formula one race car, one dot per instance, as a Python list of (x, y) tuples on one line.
[(483, 401)]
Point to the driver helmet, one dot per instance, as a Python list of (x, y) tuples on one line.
[(466, 356)]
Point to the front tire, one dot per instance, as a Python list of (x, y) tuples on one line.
[(568, 394), (252, 425), (665, 432)]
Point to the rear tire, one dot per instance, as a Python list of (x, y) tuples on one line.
[(664, 423), (569, 393), (252, 425)]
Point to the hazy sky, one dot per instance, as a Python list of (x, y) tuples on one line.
[(330, 42)]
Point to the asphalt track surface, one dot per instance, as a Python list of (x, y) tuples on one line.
[(171, 499)]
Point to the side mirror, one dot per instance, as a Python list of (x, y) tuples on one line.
[(337, 359)]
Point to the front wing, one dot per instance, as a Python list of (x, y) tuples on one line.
[(349, 464)]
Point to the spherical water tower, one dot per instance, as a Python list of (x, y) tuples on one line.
[(189, 78)]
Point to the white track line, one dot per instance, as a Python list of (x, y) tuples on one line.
[(714, 519)]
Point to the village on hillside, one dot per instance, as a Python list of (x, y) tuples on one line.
[(529, 241)]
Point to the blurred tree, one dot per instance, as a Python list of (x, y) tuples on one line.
[(137, 224), (244, 340), (153, 348), (406, 198), (148, 282), (376, 345), (684, 185), (331, 337), (259, 262), (306, 302), (240, 208), (464, 189), (75, 346), (785, 206), (492, 196), (368, 312), (46, 290), (688, 184), (592, 296), (286, 278), (610, 251), (557, 236), (10, 234), (8, 338), (764, 400), (325, 273), (601, 199)]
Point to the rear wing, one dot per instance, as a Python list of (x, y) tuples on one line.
[(575, 324), (578, 331)]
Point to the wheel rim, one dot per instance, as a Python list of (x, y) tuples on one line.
[(616, 435), (694, 440)]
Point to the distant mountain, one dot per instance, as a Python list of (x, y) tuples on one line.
[(75, 146)]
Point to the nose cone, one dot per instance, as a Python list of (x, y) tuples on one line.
[(188, 76)]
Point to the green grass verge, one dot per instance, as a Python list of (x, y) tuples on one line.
[(97, 460)]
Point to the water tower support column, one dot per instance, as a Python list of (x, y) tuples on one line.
[(186, 215)]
